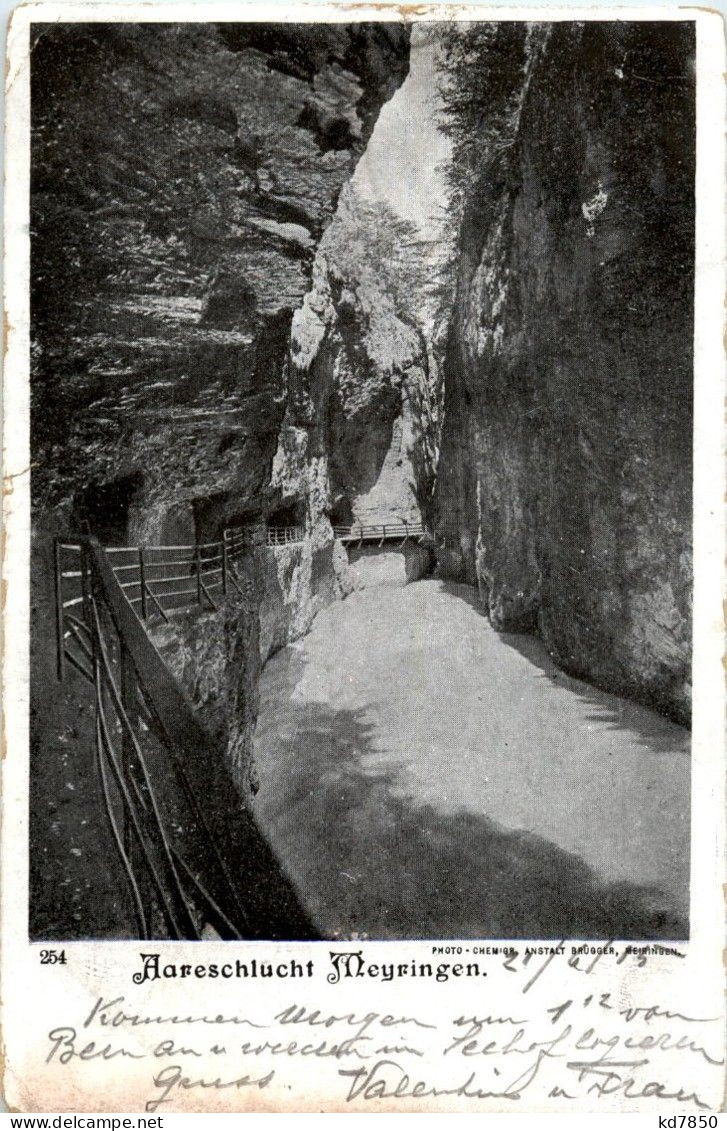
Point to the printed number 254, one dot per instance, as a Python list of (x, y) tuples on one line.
[(52, 957)]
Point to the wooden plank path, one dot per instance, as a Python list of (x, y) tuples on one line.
[(380, 533), (190, 850), (159, 580), (155, 580)]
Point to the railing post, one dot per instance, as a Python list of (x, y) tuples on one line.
[(224, 564), (198, 563), (129, 771), (58, 587), (85, 586), (142, 582), (128, 698)]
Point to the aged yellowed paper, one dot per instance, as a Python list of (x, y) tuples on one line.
[(363, 560)]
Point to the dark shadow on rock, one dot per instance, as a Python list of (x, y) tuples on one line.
[(355, 465), (368, 862), (466, 593), (652, 730)]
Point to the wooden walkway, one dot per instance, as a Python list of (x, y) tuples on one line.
[(155, 580), (169, 800), (159, 580), (380, 533), (191, 852)]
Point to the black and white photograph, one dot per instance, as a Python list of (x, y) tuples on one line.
[(362, 365), (362, 564)]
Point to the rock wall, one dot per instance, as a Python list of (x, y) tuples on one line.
[(297, 582), (397, 566), (358, 438), (182, 179), (365, 382), (214, 655), (564, 485)]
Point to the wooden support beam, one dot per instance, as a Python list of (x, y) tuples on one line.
[(198, 563), (206, 592), (160, 610), (58, 586), (142, 582)]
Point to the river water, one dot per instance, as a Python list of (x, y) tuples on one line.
[(424, 777)]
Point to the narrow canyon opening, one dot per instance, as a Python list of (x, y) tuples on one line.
[(372, 366), (463, 783)]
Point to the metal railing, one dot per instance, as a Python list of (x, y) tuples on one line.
[(159, 580), (154, 579), (381, 532), (168, 797), (284, 535)]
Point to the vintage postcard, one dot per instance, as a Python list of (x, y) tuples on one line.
[(363, 546)]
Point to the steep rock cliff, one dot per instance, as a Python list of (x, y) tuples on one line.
[(182, 177), (365, 381), (565, 476), (359, 438)]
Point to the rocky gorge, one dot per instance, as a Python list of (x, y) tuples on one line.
[(227, 332), (183, 176), (564, 481)]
